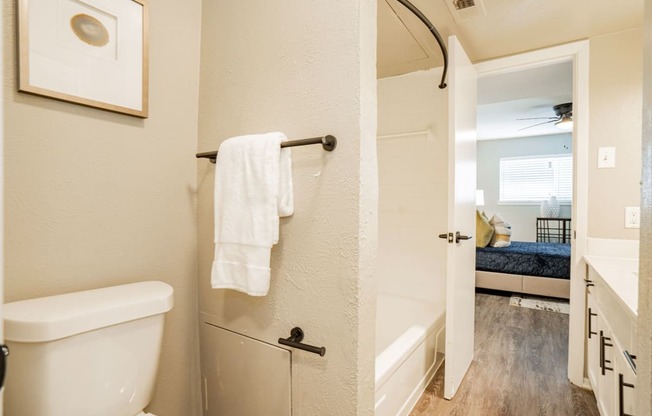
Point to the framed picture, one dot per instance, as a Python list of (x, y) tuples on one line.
[(89, 52)]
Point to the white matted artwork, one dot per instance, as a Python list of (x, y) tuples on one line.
[(90, 52)]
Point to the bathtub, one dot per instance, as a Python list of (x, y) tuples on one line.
[(409, 350)]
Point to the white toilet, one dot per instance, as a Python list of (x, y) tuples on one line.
[(91, 353)]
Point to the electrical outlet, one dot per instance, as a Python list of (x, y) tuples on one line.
[(632, 217)]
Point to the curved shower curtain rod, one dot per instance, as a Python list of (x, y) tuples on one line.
[(435, 33)]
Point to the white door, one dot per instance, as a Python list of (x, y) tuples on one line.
[(460, 273)]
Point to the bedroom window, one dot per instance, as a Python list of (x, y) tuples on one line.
[(533, 179)]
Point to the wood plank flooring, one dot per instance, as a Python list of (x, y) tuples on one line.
[(519, 368)]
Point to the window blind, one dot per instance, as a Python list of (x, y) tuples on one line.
[(536, 178)]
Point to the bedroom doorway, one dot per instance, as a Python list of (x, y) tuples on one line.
[(524, 158), (531, 69)]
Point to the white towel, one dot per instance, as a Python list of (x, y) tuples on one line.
[(253, 187)]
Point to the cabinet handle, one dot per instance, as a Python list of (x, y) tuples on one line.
[(4, 352), (621, 395), (603, 360), (590, 315), (589, 282), (630, 360)]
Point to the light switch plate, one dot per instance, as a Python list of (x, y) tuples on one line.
[(606, 157)]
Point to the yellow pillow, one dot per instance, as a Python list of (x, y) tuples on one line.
[(483, 230)]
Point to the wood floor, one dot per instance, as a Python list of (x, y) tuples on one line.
[(519, 368)]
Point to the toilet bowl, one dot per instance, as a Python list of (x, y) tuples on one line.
[(91, 353)]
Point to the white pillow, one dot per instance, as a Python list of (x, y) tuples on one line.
[(502, 232)]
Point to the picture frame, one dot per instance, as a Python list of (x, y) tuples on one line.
[(89, 52)]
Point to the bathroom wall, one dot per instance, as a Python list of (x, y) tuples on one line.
[(95, 198), (616, 62), (306, 69), (412, 148), (644, 320), (522, 218)]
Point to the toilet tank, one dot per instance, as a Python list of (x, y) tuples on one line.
[(91, 353)]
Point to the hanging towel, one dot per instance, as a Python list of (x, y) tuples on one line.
[(253, 187)]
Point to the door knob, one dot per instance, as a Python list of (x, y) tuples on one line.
[(447, 236), (459, 237)]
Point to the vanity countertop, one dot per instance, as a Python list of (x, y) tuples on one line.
[(621, 275)]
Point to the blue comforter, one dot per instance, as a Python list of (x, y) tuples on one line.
[(526, 258)]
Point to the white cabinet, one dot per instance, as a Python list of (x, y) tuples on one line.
[(625, 384), (611, 338)]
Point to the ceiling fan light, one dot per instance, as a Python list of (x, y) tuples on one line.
[(566, 123)]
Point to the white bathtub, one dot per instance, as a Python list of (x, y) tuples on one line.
[(409, 350)]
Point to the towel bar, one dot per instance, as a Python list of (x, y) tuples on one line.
[(328, 142)]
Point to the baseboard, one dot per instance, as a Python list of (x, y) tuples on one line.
[(421, 387), (586, 384)]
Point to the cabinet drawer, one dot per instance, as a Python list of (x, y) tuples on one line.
[(625, 389)]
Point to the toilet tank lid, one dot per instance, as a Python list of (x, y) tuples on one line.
[(55, 317)]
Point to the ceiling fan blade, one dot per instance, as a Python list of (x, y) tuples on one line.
[(538, 124), (539, 118)]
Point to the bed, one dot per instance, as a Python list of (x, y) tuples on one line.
[(525, 267)]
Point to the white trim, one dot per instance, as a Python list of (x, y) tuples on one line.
[(2, 192), (534, 59), (578, 53), (406, 134)]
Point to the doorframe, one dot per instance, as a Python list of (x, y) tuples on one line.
[(2, 129), (578, 53)]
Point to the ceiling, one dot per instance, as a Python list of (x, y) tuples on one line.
[(495, 28), (504, 99)]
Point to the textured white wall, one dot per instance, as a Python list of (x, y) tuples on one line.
[(96, 199), (522, 218), (306, 69), (615, 121), (644, 364), (412, 177)]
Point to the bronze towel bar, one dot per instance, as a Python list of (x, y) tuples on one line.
[(328, 142)]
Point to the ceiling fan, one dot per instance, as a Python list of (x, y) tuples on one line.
[(563, 117)]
